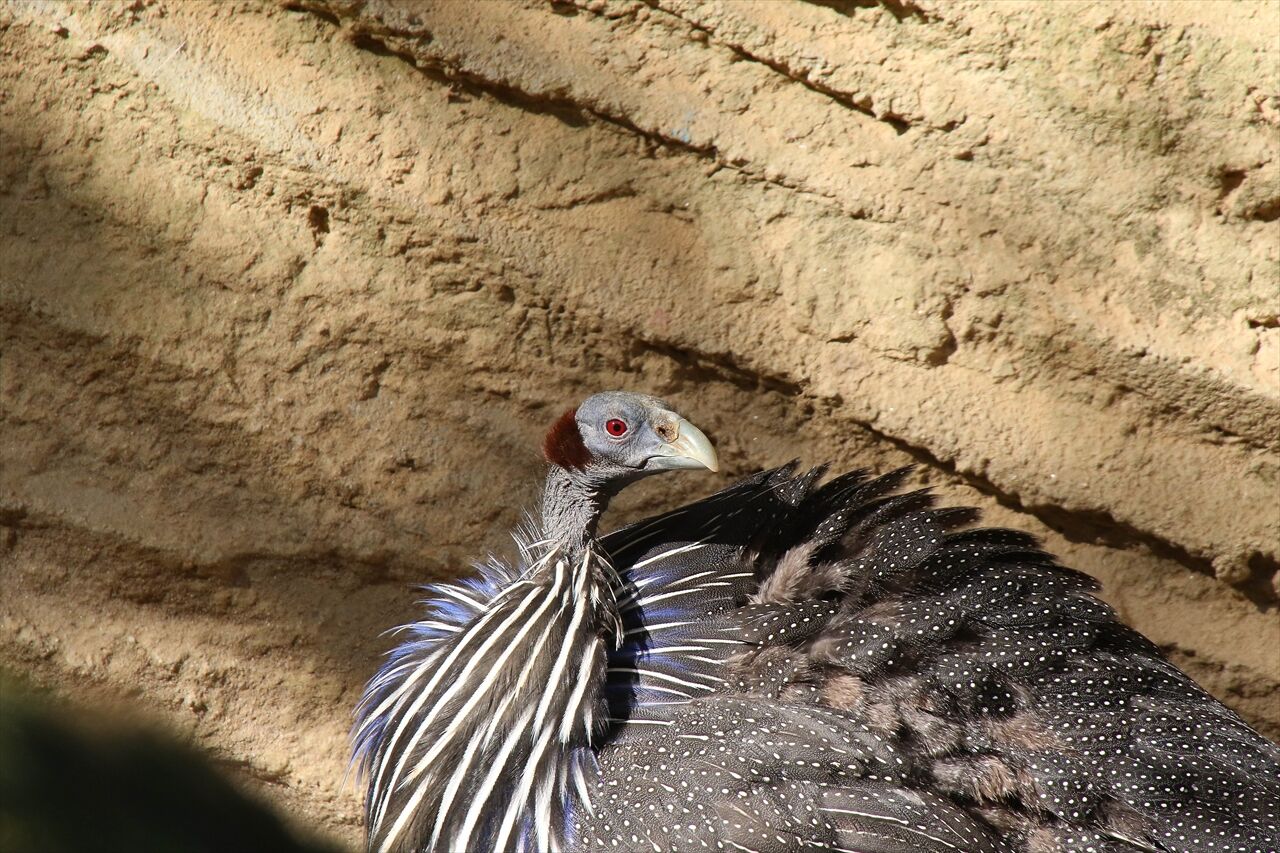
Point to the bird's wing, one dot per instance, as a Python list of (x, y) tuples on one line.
[(1013, 696), (798, 777), (682, 575), (742, 773)]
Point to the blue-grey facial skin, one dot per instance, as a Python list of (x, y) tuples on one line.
[(656, 438)]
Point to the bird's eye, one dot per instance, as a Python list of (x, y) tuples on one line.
[(615, 427)]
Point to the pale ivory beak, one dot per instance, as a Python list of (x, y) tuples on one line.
[(687, 448)]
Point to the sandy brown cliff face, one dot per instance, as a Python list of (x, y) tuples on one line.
[(289, 293)]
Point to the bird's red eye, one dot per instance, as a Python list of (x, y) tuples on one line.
[(615, 427)]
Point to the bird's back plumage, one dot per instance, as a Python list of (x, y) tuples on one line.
[(845, 667)]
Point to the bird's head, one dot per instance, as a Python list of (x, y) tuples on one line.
[(619, 437)]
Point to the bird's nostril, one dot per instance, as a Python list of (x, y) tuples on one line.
[(667, 431)]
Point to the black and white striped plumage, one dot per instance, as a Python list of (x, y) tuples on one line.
[(478, 729), (788, 666)]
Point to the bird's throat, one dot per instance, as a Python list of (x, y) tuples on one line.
[(572, 503)]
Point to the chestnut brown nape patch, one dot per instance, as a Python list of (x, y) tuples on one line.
[(563, 445)]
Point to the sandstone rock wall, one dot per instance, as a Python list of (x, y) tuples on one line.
[(289, 292)]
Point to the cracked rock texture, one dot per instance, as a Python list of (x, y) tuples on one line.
[(289, 292)]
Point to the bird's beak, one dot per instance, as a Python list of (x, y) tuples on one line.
[(683, 446)]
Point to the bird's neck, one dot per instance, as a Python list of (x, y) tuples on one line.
[(487, 740), (572, 503)]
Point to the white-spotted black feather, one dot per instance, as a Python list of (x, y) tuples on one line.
[(786, 666)]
